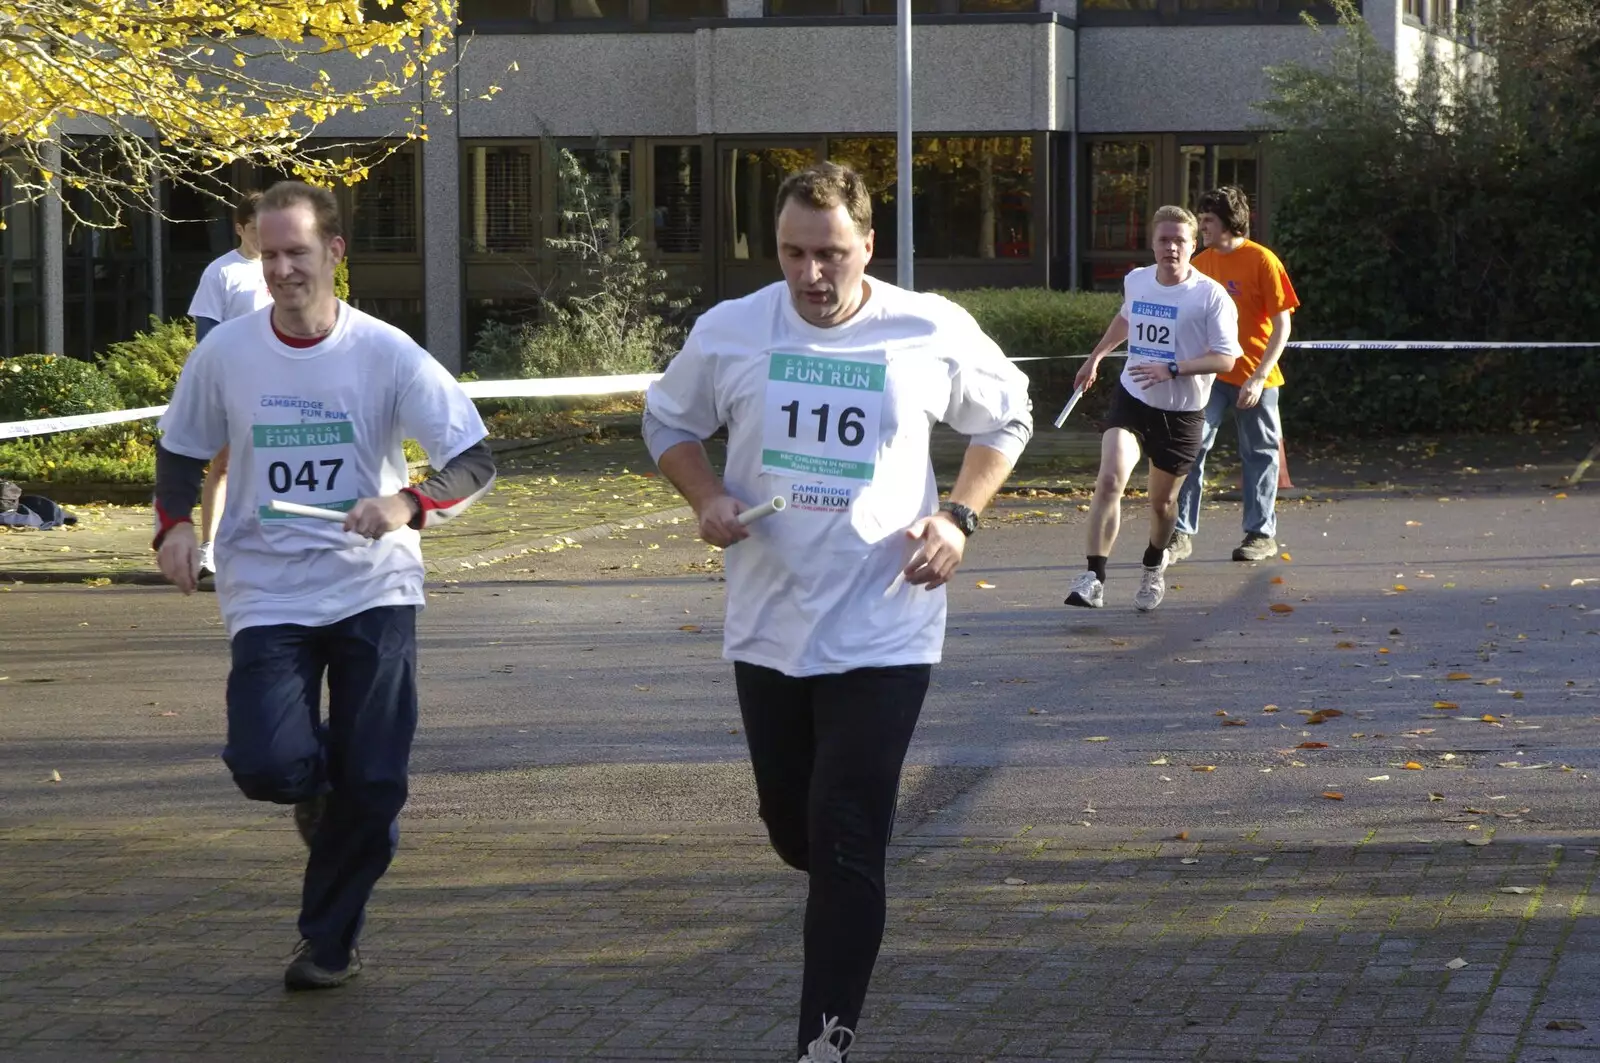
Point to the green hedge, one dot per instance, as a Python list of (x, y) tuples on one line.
[(48, 385), (1326, 393)]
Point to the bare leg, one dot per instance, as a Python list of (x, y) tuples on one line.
[(1119, 453), (1164, 488), (214, 496)]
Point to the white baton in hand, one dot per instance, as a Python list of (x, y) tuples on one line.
[(296, 509), (1067, 409), (765, 509)]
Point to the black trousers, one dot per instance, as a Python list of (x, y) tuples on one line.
[(827, 752)]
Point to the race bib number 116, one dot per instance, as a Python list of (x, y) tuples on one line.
[(822, 417)]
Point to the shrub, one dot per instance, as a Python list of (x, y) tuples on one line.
[(48, 385), (116, 454), (1039, 323), (145, 369)]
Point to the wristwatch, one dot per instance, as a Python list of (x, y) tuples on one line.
[(1172, 367), (965, 519)]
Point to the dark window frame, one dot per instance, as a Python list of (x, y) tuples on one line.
[(1172, 13)]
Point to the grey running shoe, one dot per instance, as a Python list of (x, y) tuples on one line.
[(1152, 588), (303, 972), (1256, 547), (832, 1045), (1181, 546), (308, 816), (1087, 591)]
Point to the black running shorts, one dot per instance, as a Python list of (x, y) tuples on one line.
[(1170, 438)]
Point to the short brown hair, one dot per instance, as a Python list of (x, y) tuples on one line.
[(323, 205), (827, 185), (1179, 215), (1230, 205), (244, 211)]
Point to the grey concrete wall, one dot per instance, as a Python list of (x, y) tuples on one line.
[(1174, 79), (579, 84), (441, 235), (805, 79)]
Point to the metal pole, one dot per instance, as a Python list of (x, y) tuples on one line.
[(904, 252), (52, 268)]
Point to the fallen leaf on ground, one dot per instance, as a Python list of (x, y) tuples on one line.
[(1312, 745), (1286, 557), (1412, 765), (1377, 778), (1333, 795), (1345, 644), (55, 776), (1489, 682), (1159, 761), (1418, 732), (1487, 718), (1269, 708), (1478, 842), (1456, 964), (1190, 860), (1220, 712), (1446, 705), (984, 585), (1383, 649), (1435, 797), (690, 627), (1565, 1024), (1413, 524), (1016, 882), (1518, 890), (1281, 607), (1457, 676), (1181, 836), (1099, 738), (1279, 580), (1401, 587), (1202, 767), (1234, 723)]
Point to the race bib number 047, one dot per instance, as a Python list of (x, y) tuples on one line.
[(822, 417), (313, 464)]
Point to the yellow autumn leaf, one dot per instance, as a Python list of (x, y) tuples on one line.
[(1456, 677), (1412, 765), (1445, 706)]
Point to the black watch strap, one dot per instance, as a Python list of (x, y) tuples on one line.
[(965, 519)]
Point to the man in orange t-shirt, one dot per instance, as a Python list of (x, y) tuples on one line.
[(1264, 297)]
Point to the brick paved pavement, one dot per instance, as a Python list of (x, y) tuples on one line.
[(163, 940)]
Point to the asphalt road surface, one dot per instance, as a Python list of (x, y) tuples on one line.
[(1457, 634)]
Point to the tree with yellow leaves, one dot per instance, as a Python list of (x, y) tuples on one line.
[(178, 90)]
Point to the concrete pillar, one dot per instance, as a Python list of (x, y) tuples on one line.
[(441, 229), (52, 257), (158, 302)]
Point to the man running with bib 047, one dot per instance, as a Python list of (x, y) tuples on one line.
[(314, 399), (1181, 329), (829, 384)]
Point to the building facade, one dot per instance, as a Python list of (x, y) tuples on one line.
[(1047, 131)]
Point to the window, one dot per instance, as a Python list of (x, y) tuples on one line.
[(753, 179), (383, 207), (681, 10), (1218, 5), (1417, 9), (1119, 195), (984, 7), (592, 10), (502, 199), (1117, 5), (1208, 166), (803, 8), (892, 7), (1439, 13), (973, 196), (372, 11), (496, 10), (676, 197), (610, 173)]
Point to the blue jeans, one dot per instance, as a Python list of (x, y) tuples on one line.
[(1259, 434), (279, 749)]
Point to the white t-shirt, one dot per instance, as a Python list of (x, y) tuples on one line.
[(1176, 322), (836, 421), (322, 426), (232, 286)]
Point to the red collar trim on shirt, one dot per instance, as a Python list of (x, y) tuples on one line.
[(296, 341)]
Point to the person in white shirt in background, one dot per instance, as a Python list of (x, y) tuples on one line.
[(316, 400), (829, 384), (230, 287), (1182, 329)]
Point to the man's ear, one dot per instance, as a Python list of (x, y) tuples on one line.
[(867, 242)]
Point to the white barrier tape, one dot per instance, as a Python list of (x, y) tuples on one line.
[(46, 425), (622, 384)]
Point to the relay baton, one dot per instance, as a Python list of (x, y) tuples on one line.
[(1067, 409), (765, 509), (332, 515)]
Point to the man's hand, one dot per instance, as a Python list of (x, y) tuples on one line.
[(1088, 372), (719, 524), (373, 518), (943, 545), (179, 557), (1149, 374), (1250, 393)]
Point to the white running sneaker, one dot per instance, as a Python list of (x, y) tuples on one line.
[(832, 1045), (1152, 586), (1087, 591), (208, 560)]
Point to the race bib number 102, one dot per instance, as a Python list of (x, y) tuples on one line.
[(822, 417), (313, 464)]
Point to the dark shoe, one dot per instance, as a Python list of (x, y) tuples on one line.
[(1256, 547), (308, 816), (1180, 547), (303, 972)]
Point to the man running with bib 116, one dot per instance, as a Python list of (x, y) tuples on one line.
[(315, 399), (1181, 329), (829, 384)]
